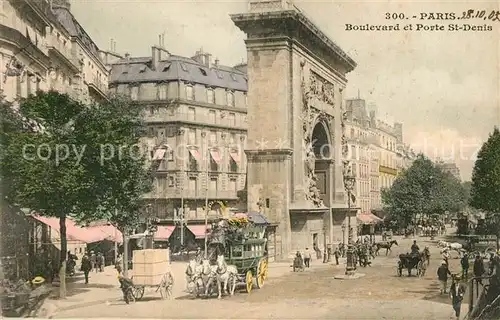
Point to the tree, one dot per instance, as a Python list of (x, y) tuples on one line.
[(485, 189), (38, 174), (115, 159), (422, 189), (62, 158)]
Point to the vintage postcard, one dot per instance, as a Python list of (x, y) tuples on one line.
[(250, 159)]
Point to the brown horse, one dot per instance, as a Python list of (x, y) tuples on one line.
[(387, 245)]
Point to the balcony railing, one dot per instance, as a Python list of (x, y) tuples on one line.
[(54, 45), (98, 86)]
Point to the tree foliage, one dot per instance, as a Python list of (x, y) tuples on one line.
[(423, 189), (62, 158), (485, 189)]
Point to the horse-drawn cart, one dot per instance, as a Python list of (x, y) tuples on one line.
[(151, 269), (242, 241), (410, 262)]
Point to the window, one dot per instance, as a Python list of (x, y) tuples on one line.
[(210, 95), (142, 69), (233, 166), (192, 137), (191, 114), (232, 138), (189, 92), (203, 72), (211, 116), (232, 119), (169, 155), (171, 181), (192, 163), (232, 185), (213, 184), (233, 77), (166, 68), (230, 98), (134, 93), (184, 67), (162, 91), (192, 186)]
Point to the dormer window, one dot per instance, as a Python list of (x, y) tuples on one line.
[(142, 69), (203, 72), (219, 75), (233, 77), (184, 67), (166, 68)]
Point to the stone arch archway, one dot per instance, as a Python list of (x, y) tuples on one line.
[(321, 141)]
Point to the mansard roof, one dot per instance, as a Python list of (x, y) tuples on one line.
[(178, 68)]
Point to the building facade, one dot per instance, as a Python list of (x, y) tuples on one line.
[(377, 152), (43, 47), (195, 108)]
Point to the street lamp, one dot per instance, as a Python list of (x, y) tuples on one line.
[(349, 181)]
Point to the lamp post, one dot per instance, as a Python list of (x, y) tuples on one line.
[(349, 181)]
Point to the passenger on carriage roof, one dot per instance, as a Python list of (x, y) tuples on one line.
[(414, 247)]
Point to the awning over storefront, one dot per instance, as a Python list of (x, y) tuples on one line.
[(195, 154), (163, 233), (369, 218), (75, 232), (215, 155), (159, 154), (198, 231), (235, 156)]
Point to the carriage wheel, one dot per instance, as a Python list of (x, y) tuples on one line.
[(249, 281), (138, 293), (261, 272)]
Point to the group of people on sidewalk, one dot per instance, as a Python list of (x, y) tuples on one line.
[(91, 262)]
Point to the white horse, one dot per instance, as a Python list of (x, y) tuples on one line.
[(455, 246), (208, 275), (225, 275), (193, 277), (443, 244)]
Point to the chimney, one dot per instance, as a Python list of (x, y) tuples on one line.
[(155, 57), (208, 60), (127, 56), (199, 56)]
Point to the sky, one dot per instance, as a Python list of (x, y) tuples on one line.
[(444, 86)]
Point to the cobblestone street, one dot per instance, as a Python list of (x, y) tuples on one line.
[(314, 294)]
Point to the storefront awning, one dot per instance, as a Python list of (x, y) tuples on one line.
[(235, 156), (159, 154), (369, 218), (163, 233), (216, 156), (198, 231), (195, 154)]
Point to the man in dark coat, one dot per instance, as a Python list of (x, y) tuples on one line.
[(86, 267), (464, 262), (457, 292), (478, 268), (442, 274)]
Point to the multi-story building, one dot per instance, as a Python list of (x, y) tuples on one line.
[(377, 151), (451, 168), (195, 108), (43, 47)]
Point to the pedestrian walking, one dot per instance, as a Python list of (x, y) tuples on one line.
[(102, 263), (86, 267), (93, 261), (457, 291), (98, 262), (464, 262), (442, 274), (307, 258), (478, 268), (336, 253), (317, 250)]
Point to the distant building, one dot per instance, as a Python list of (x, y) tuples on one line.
[(451, 168)]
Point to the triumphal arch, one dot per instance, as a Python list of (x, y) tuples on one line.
[(296, 80)]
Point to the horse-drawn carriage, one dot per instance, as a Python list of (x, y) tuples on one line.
[(239, 244), (409, 262)]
